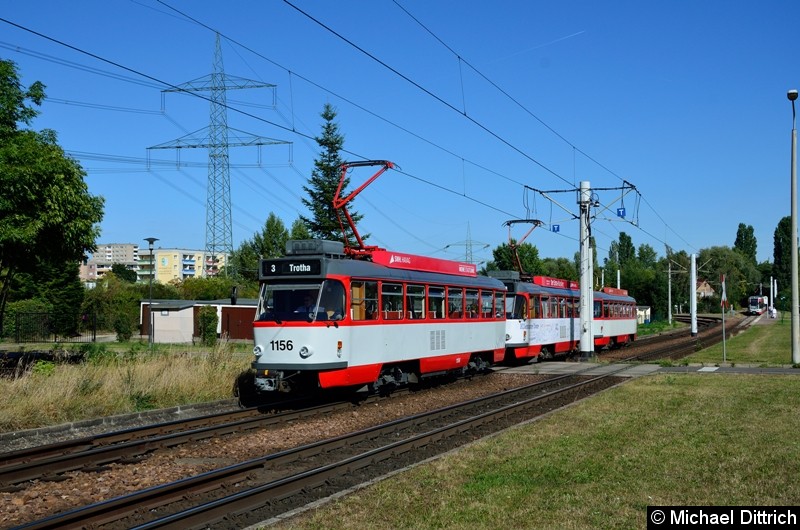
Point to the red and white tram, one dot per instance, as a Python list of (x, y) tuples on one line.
[(614, 320), (374, 323), (543, 317)]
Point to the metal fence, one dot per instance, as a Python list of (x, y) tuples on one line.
[(49, 327)]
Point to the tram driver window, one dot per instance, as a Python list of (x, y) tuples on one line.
[(333, 299)]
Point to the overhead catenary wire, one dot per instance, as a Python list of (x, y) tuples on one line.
[(292, 128)]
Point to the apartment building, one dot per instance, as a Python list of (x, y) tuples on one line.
[(167, 263)]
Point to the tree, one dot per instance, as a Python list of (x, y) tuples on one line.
[(299, 230), (647, 256), (323, 183), (746, 242), (741, 276), (559, 268), (124, 273), (504, 259), (626, 250), (46, 211), (215, 288), (782, 254), (269, 243)]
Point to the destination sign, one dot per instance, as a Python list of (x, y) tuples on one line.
[(295, 267), (557, 283)]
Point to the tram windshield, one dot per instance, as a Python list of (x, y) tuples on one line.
[(306, 302)]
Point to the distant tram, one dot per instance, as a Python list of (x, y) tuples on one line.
[(756, 305), (543, 317)]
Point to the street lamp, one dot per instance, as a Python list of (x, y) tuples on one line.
[(150, 241), (792, 95)]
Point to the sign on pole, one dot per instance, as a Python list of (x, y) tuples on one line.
[(723, 305)]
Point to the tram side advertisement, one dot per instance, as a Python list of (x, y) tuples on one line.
[(294, 267)]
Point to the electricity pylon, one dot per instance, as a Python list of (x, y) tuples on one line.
[(216, 138)]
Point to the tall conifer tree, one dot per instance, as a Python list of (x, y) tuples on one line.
[(322, 221)]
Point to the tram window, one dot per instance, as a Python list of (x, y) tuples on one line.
[(392, 301), (487, 309), (363, 300), (554, 307), (562, 308), (520, 309), (536, 307), (500, 305), (332, 299), (471, 303), (598, 309), (435, 302), (455, 302), (545, 307), (576, 308), (415, 301)]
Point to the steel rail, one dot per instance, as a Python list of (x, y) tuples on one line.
[(150, 499)]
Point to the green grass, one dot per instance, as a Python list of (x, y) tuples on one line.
[(765, 344), (661, 440), (658, 326)]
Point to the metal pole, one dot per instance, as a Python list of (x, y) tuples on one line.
[(669, 293), (723, 306), (150, 337), (693, 296), (150, 304), (587, 298), (792, 95)]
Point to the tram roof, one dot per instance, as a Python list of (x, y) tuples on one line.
[(370, 270), (532, 288)]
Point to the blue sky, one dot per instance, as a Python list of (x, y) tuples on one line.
[(475, 101)]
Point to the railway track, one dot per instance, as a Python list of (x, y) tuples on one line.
[(676, 345), (255, 490), (129, 445)]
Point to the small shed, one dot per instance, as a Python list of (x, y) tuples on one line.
[(643, 314), (173, 322), (235, 320)]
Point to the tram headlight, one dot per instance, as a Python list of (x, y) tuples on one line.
[(305, 352), (508, 337), (257, 351)]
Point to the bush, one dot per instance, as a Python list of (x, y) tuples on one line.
[(207, 325), (123, 326), (23, 306)]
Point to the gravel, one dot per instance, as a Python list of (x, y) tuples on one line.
[(42, 498)]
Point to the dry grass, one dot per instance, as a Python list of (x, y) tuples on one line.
[(661, 440), (116, 383)]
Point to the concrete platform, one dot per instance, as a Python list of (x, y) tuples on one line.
[(588, 368), (636, 370)]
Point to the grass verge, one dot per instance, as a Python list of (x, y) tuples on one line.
[(111, 382), (662, 440), (768, 343)]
